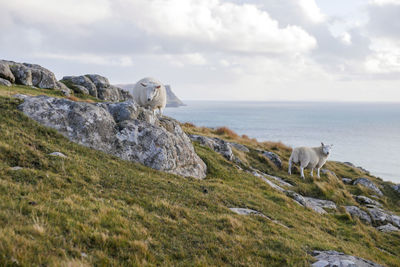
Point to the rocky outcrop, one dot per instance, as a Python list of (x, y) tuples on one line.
[(347, 181), (357, 212), (380, 217), (368, 184), (121, 129), (30, 75), (333, 258), (96, 86)]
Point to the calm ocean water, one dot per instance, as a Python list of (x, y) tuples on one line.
[(366, 134)]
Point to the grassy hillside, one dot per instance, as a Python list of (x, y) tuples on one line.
[(95, 209)]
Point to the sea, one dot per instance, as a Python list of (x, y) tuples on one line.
[(365, 134)]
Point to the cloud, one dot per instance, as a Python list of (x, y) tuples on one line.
[(221, 25)]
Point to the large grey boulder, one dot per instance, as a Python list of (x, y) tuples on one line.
[(333, 258), (97, 86), (369, 184), (121, 129), (31, 75), (357, 212), (6, 73)]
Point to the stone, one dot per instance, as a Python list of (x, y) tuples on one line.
[(326, 171), (97, 86), (357, 212), (16, 168), (369, 184), (273, 157), (58, 154), (381, 217), (22, 74), (218, 145), (367, 201), (5, 72), (245, 211), (239, 147), (5, 82), (396, 187), (317, 205), (333, 258), (387, 228), (347, 181), (119, 129), (356, 167)]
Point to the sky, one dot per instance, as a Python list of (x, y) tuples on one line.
[(264, 50)]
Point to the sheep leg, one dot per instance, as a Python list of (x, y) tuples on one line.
[(160, 111), (302, 172), (318, 173), (290, 167), (311, 173)]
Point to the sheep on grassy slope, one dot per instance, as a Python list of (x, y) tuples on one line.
[(151, 94), (309, 157)]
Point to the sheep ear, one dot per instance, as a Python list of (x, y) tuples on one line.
[(158, 86), (143, 84), (322, 144)]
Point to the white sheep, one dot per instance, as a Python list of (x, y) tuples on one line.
[(150, 93), (309, 157)]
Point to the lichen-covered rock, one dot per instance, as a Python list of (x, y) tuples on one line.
[(381, 217), (32, 75), (367, 201), (333, 258), (369, 184), (218, 145), (239, 147), (118, 129), (22, 74), (357, 212), (6, 73), (387, 228), (97, 86), (274, 158), (5, 82)]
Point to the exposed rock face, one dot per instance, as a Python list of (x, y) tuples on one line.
[(96, 86), (5, 82), (357, 212), (121, 129), (317, 205), (245, 211), (356, 167), (31, 75), (333, 258), (369, 184), (239, 147)]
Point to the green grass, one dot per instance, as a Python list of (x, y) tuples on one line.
[(122, 213)]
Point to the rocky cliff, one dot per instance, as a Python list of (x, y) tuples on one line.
[(122, 129)]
